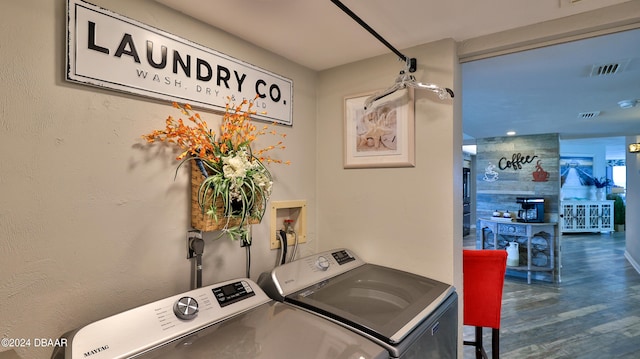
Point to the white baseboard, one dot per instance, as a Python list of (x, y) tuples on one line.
[(634, 264)]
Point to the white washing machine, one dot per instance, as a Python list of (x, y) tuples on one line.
[(410, 315), (232, 319)]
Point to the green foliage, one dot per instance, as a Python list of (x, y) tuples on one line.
[(601, 182), (619, 209)]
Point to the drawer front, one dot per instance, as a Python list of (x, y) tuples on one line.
[(512, 229)]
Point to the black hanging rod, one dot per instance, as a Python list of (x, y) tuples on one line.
[(411, 63)]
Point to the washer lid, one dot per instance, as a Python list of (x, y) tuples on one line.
[(383, 302), (272, 330)]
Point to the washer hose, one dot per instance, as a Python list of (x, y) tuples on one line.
[(283, 247)]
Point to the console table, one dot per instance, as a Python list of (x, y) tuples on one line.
[(537, 243), (587, 216)]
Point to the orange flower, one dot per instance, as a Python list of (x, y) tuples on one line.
[(236, 131)]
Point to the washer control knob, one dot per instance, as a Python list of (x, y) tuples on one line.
[(186, 308), (322, 263)]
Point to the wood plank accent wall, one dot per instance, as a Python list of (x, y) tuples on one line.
[(512, 180)]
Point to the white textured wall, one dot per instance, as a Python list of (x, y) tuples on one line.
[(91, 220), (402, 217), (406, 218)]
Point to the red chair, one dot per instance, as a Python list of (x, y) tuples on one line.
[(483, 280)]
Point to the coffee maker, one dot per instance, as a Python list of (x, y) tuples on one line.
[(532, 209)]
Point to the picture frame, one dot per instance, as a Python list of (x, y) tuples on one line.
[(575, 171), (382, 136)]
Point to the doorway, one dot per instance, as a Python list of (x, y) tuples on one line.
[(558, 89)]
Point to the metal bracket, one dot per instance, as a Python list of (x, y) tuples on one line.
[(412, 64), (192, 234)]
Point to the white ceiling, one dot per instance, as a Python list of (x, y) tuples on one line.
[(538, 91), (551, 90)]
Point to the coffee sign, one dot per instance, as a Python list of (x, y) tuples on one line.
[(108, 50), (516, 161)]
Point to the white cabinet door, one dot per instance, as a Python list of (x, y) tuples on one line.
[(587, 216)]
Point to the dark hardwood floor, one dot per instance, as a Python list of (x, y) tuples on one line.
[(593, 313)]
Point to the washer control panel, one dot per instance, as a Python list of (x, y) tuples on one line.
[(136, 330), (342, 257), (231, 293), (322, 263), (304, 272), (186, 308)]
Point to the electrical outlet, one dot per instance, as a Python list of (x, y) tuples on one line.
[(193, 233)]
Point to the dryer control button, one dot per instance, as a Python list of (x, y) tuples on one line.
[(322, 263), (186, 308)]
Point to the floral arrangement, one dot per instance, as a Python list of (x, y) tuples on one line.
[(233, 172), (601, 182)]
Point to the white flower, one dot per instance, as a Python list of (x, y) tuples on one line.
[(236, 166), (263, 181), (237, 169)]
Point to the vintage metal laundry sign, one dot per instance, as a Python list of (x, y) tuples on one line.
[(105, 49)]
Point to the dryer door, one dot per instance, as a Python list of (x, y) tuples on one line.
[(380, 301)]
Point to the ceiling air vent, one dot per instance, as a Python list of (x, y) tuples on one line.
[(588, 115), (608, 69)]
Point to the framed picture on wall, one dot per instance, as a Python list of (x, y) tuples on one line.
[(382, 136), (576, 173), (576, 170)]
